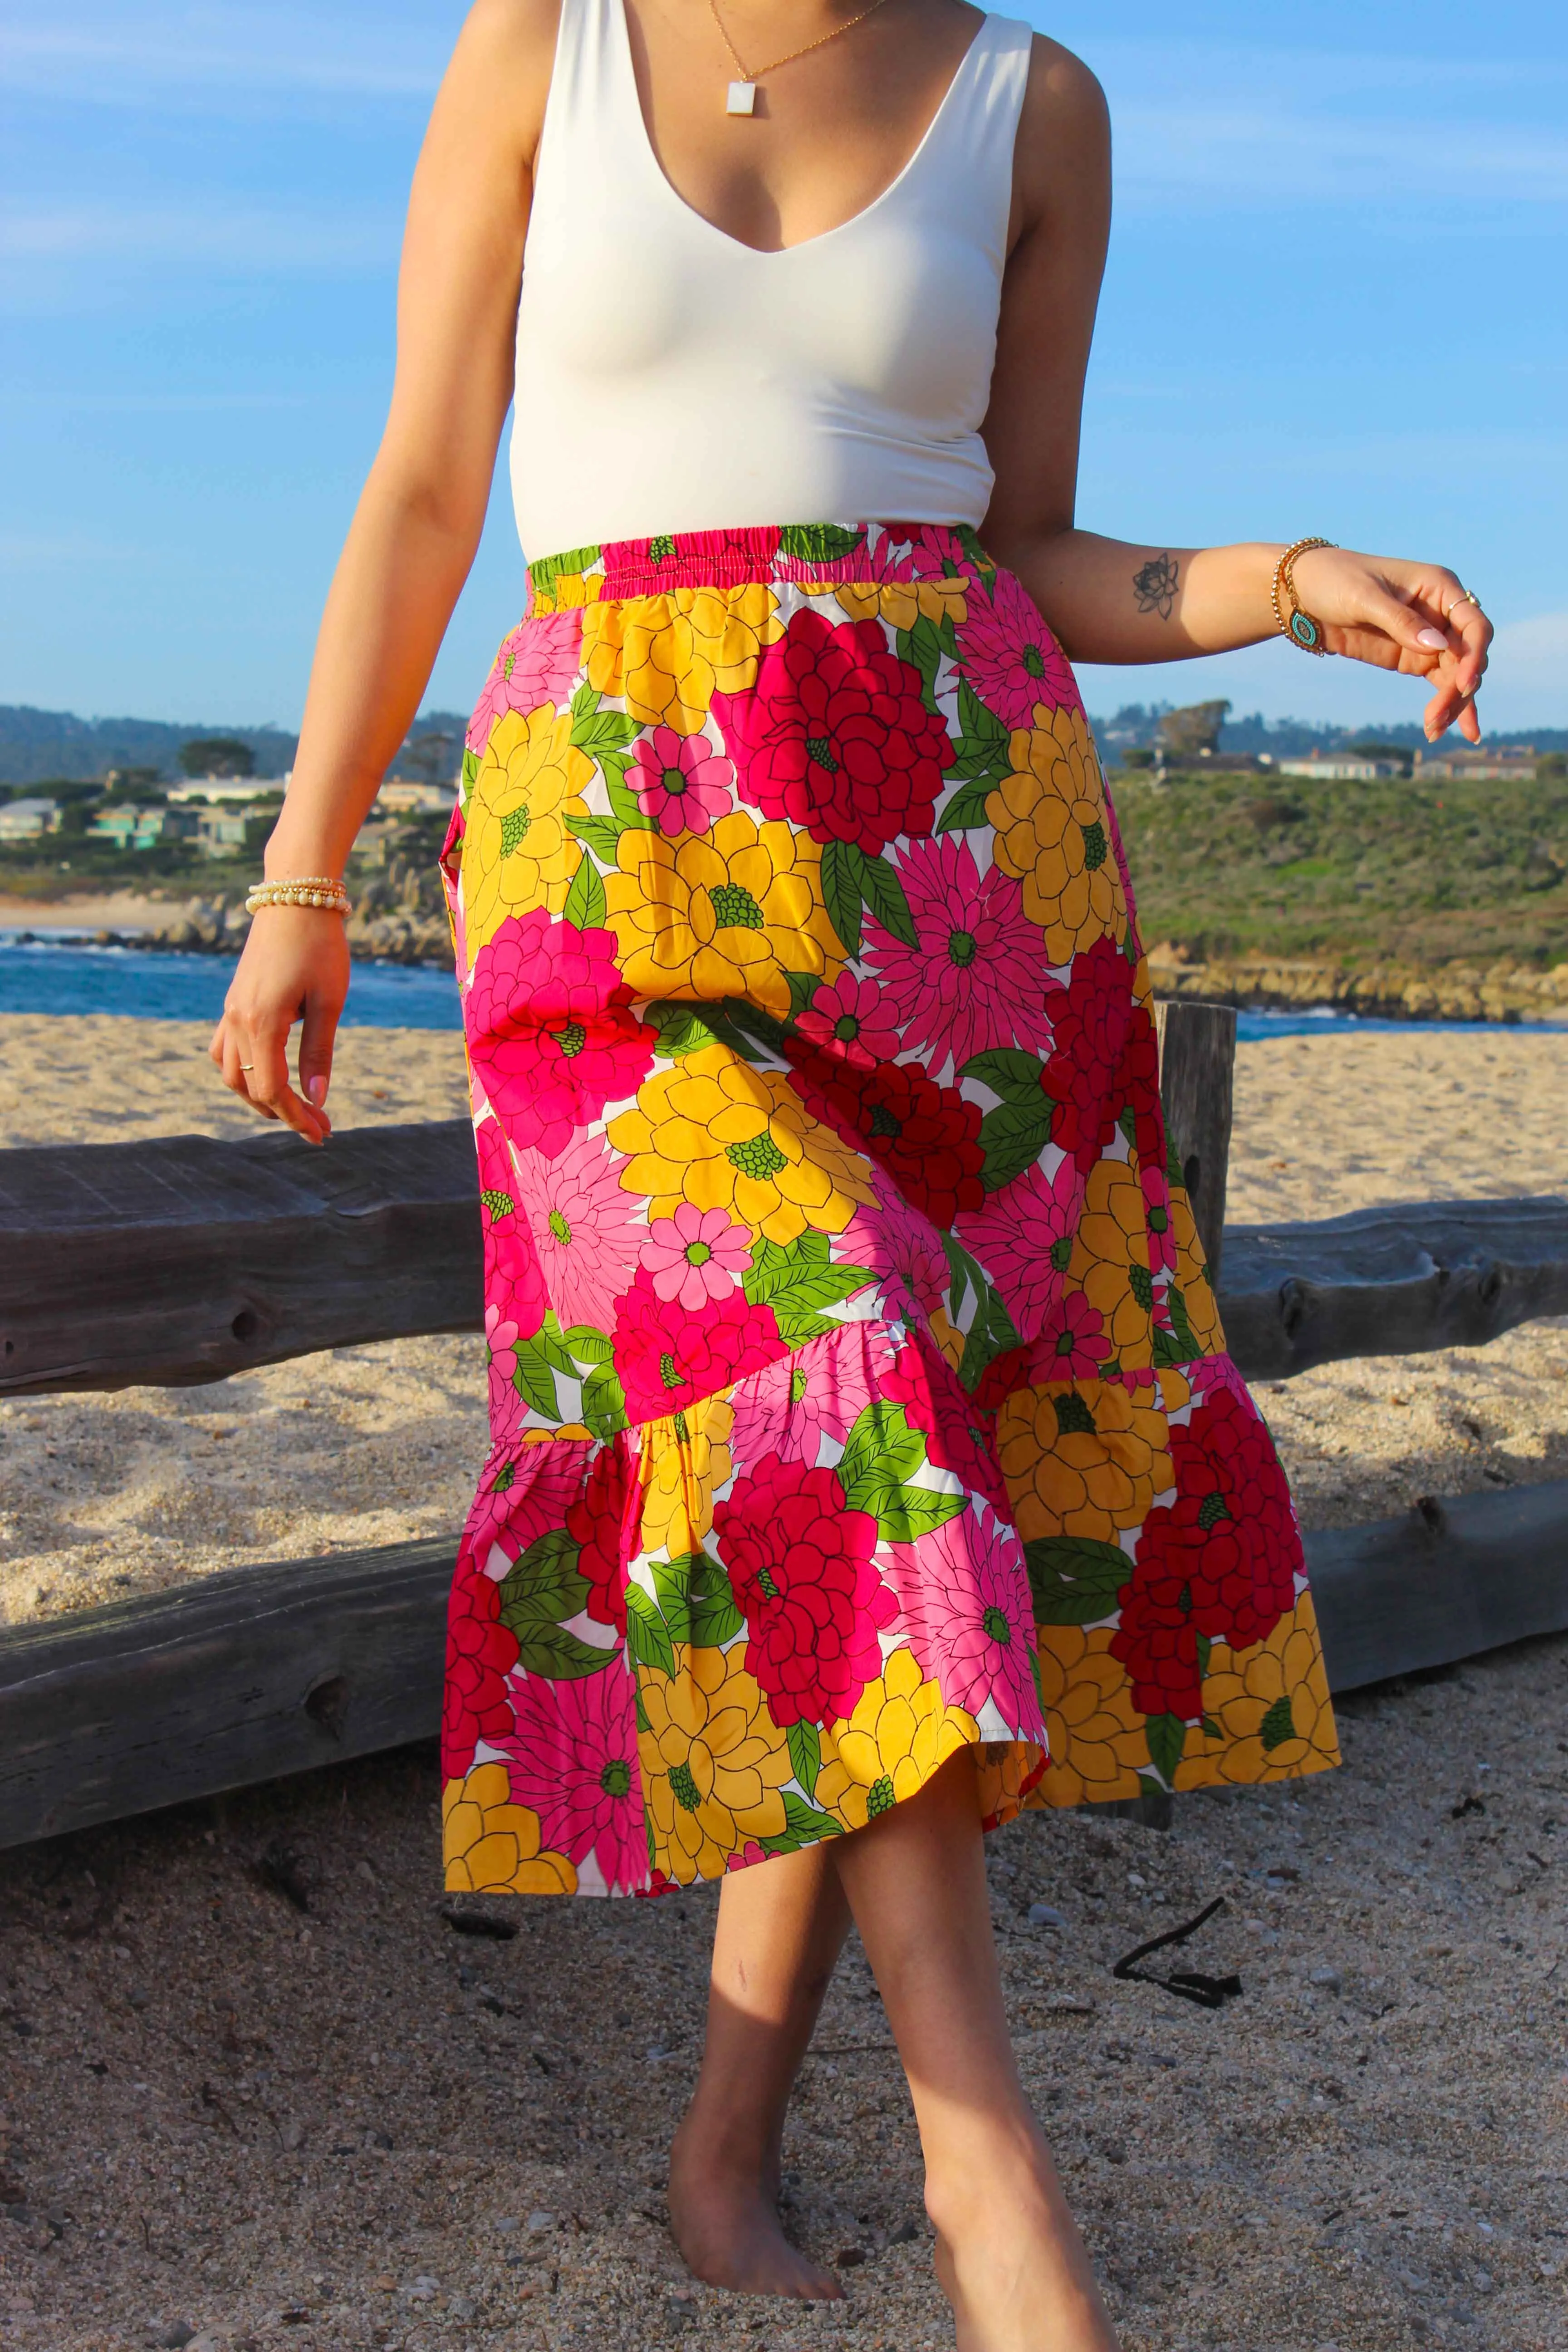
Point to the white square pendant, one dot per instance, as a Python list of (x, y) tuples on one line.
[(741, 99)]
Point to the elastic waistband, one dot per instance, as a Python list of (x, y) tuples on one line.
[(816, 554)]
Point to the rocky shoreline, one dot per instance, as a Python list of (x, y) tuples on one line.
[(1386, 990)]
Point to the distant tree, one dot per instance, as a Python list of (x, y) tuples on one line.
[(432, 757), (1196, 728), (1551, 766), (132, 780), (217, 755), (1137, 757)]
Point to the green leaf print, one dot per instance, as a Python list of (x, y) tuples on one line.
[(804, 1745), (602, 835), (586, 904), (586, 1345), (884, 894), (603, 1402), (966, 809), (990, 1335), (694, 1599), (1008, 1072), (584, 702), (607, 730), (752, 1020), (820, 542), (905, 1512), (803, 987), (648, 1636), (624, 806), (470, 770), (1167, 1736), (881, 1450), (534, 1382), (983, 752), (922, 647), (804, 1825), (537, 1593), (841, 892), (1011, 1138), (686, 1028), (796, 1279), (1075, 1579)]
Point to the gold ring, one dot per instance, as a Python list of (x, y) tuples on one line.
[(1466, 599), (247, 1065)]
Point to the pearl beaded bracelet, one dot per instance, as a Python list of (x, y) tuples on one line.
[(305, 890)]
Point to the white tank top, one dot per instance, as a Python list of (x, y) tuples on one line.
[(671, 379)]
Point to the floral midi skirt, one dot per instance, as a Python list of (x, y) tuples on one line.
[(857, 1391)]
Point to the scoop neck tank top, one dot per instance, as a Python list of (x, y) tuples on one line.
[(670, 378)]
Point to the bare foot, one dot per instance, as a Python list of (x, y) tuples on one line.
[(1014, 2270), (726, 2225)]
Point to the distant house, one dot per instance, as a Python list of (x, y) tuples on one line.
[(1497, 764), (398, 796), (1340, 768), (142, 828), (28, 820), (221, 832)]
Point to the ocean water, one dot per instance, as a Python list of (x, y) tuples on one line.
[(65, 975), (73, 976)]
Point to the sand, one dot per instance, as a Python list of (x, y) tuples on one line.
[(229, 2121)]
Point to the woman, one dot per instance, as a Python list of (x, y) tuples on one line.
[(858, 1395)]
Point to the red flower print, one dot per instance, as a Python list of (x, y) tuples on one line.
[(1090, 1020), (603, 1525), (1221, 1561), (525, 1492), (848, 1022), (801, 1568), (669, 1356), (973, 977), (1157, 1221), (480, 1654), (1010, 658), (1073, 1345), (956, 1430), (835, 737), (925, 1137), (574, 1762), (551, 1032)]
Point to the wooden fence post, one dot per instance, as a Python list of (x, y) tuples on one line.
[(1198, 1085)]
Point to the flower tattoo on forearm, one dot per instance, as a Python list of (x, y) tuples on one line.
[(1155, 586)]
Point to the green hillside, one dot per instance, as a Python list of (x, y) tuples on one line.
[(1229, 865)]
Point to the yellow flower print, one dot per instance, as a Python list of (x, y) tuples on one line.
[(1097, 1738), (898, 1736), (1001, 1769), (1084, 1459), (1052, 835), (681, 1462), (517, 852), (713, 1761), (567, 590), (492, 1847), (904, 602), (724, 913), (1270, 1707), (1197, 1295), (1110, 1262), (718, 1132), (669, 655)]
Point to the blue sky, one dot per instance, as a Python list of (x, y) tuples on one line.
[(1335, 303)]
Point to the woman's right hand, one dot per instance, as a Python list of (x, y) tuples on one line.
[(295, 967)]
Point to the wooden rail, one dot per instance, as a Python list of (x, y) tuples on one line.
[(257, 1672)]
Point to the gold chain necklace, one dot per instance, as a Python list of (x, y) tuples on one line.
[(742, 97)]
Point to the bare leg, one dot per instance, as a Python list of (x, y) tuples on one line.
[(1009, 2256), (781, 1926)]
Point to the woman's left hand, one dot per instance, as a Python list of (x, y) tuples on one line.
[(1414, 619)]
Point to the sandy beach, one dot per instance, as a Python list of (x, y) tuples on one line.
[(261, 2093)]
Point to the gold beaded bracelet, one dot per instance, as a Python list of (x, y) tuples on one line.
[(304, 890), (1301, 628)]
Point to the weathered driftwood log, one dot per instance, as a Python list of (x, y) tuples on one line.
[(1197, 1087), (186, 1259), (1391, 1282), (258, 1672)]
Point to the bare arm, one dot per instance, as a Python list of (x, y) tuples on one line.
[(1110, 600), (412, 539)]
